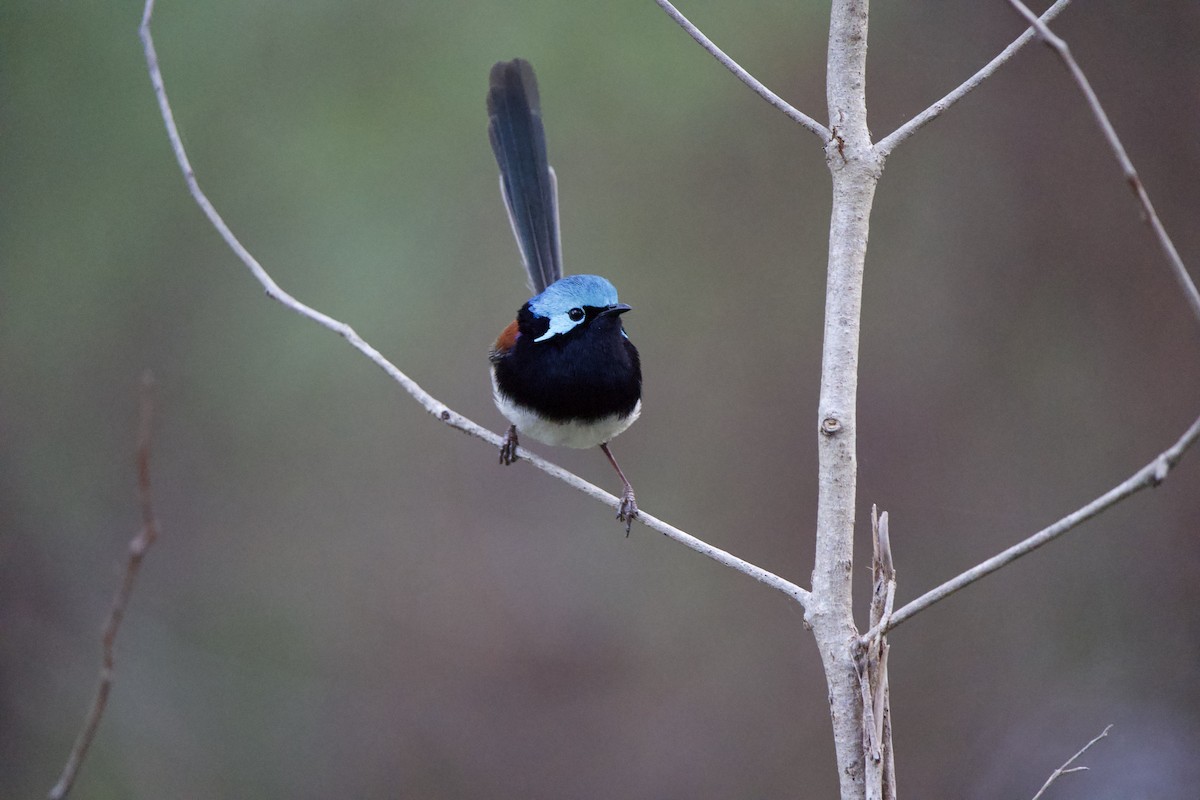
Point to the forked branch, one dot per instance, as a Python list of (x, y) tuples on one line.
[(1067, 768), (427, 401)]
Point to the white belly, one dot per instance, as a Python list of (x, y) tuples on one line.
[(562, 434)]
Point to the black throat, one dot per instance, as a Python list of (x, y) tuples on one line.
[(590, 372)]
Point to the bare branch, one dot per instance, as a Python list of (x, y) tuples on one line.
[(427, 401), (745, 77), (889, 142), (1150, 475), (1131, 177), (1067, 768), (138, 546)]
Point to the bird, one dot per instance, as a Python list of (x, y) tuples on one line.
[(564, 372)]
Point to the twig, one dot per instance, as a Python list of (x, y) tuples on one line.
[(1150, 475), (889, 142), (1066, 767), (1114, 142), (745, 77), (138, 547), (427, 401), (877, 713)]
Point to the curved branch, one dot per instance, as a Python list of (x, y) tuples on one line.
[(1150, 475), (889, 142), (427, 401), (745, 77)]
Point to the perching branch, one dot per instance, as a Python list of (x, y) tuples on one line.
[(427, 401), (1150, 475), (138, 546), (745, 77), (1066, 767), (889, 142)]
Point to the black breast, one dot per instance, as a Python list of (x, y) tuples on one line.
[(591, 372)]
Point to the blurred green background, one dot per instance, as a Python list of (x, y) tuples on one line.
[(350, 600)]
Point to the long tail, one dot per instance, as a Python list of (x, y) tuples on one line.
[(527, 181)]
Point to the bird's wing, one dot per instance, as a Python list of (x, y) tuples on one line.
[(527, 182)]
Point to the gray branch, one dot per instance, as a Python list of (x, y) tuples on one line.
[(889, 142), (877, 714), (1150, 475), (1067, 768), (745, 77)]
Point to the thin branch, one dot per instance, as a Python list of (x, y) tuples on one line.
[(745, 77), (1067, 768), (427, 401), (1114, 142), (1150, 475), (138, 547), (889, 142)]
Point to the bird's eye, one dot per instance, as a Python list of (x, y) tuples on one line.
[(576, 314)]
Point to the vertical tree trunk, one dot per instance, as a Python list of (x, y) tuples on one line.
[(855, 169)]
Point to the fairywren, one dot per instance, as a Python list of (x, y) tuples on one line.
[(563, 372)]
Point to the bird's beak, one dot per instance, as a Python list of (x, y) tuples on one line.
[(619, 308)]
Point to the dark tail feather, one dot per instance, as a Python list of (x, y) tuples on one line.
[(526, 179)]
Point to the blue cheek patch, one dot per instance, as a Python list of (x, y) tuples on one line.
[(559, 323)]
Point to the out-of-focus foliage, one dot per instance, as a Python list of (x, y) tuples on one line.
[(350, 601)]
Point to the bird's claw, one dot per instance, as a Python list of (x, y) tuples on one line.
[(627, 512), (508, 448)]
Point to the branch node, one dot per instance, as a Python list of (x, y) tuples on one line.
[(1066, 768), (1162, 468)]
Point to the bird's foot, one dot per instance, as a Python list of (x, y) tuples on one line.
[(627, 512), (508, 449)]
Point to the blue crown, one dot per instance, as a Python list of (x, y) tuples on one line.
[(574, 291)]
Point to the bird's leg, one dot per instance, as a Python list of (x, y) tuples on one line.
[(508, 449), (628, 510)]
